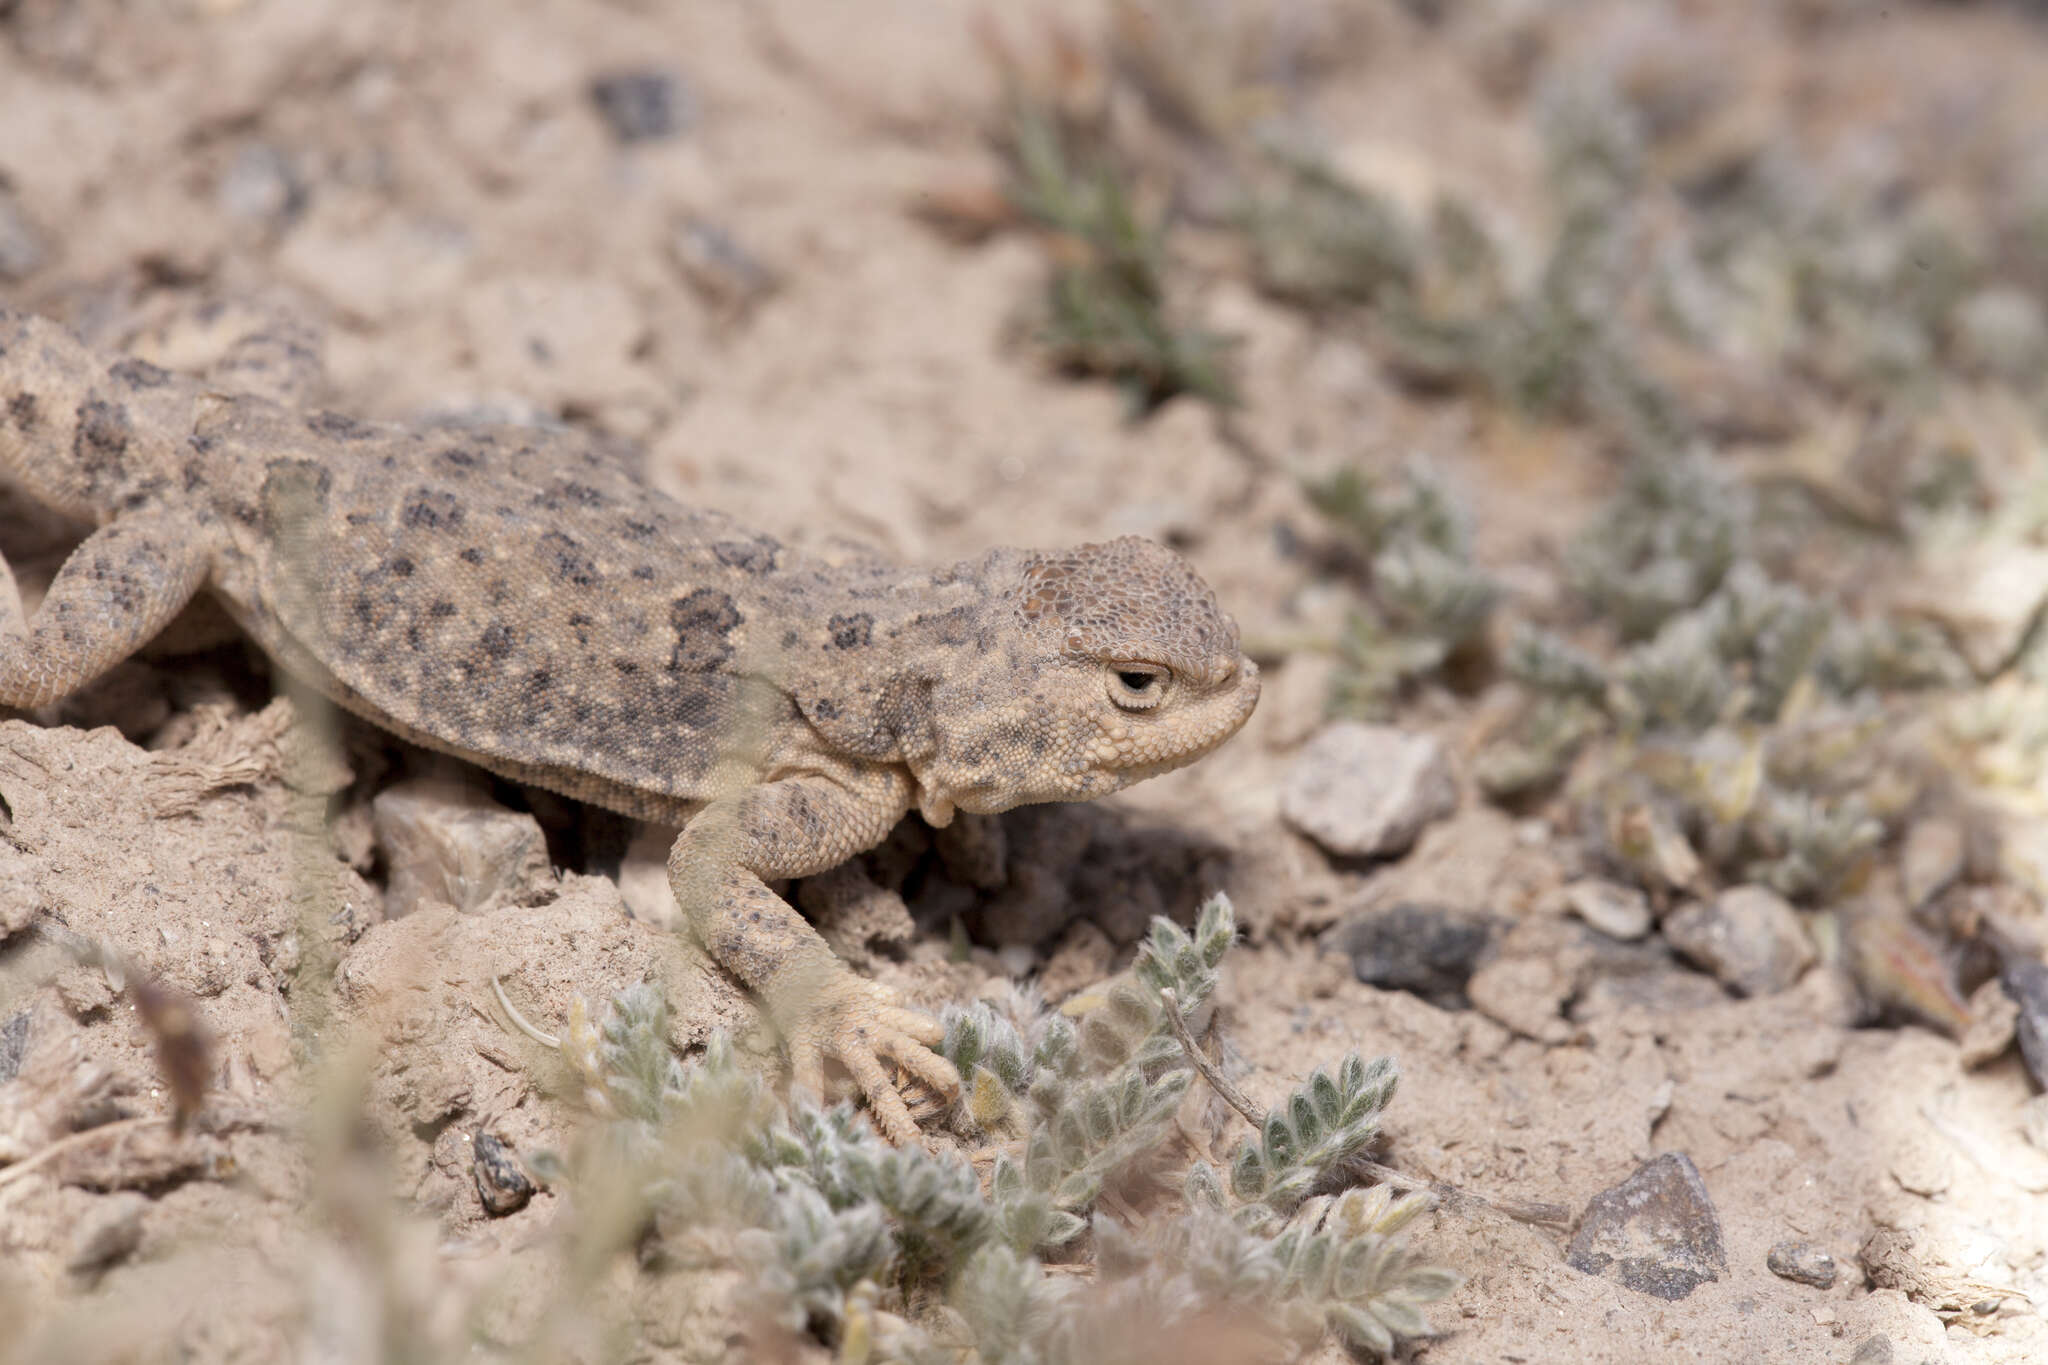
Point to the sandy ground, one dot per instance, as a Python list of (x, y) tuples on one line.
[(431, 191)]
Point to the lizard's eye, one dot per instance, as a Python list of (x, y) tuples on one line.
[(1137, 687)]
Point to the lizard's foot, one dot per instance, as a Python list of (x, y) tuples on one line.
[(859, 1023)]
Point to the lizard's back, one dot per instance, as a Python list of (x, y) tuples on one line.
[(517, 596)]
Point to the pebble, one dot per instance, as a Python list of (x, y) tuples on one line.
[(1802, 1262), (261, 186), (1994, 1020), (1427, 950), (1875, 1350), (1616, 910), (501, 1182), (1656, 1232), (2027, 983), (1749, 937), (446, 842), (643, 104), (13, 1045), (1367, 791)]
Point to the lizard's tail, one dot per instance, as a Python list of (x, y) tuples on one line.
[(79, 432)]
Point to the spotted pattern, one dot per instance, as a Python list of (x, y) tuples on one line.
[(520, 599)]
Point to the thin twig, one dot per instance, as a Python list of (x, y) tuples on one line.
[(78, 1139), (545, 1039), (1449, 1196)]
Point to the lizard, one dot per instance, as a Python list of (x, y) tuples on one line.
[(521, 598)]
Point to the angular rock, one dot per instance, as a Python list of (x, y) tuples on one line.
[(1616, 910), (2027, 983), (1749, 937), (1802, 1262), (13, 1045), (1427, 950), (1994, 1020), (447, 842), (501, 1182), (1366, 791), (643, 104), (1656, 1232), (1524, 994)]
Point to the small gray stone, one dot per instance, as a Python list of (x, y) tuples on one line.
[(108, 1233), (1366, 791), (262, 186), (643, 104), (2026, 981), (501, 1182), (1873, 1351), (13, 1045), (445, 841), (1616, 910), (1749, 937), (1803, 1262), (1656, 1232), (1427, 950)]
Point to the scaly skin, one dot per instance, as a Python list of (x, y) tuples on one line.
[(519, 598)]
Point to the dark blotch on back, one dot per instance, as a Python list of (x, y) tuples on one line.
[(432, 509), (139, 374), (756, 556), (497, 640), (22, 410), (855, 631), (703, 622), (102, 438), (568, 561)]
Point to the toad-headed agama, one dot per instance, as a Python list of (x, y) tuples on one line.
[(520, 599)]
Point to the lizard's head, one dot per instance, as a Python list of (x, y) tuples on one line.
[(1119, 666)]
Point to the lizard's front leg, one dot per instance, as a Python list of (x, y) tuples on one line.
[(718, 869), (115, 592)]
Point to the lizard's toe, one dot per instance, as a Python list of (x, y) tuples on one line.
[(885, 1102), (855, 1022), (911, 1049)]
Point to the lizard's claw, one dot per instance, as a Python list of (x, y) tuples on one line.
[(857, 1022)]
